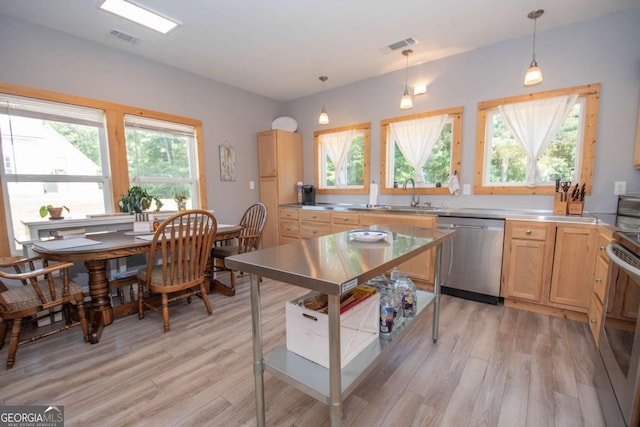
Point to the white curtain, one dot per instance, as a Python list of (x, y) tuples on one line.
[(336, 146), (534, 124), (416, 139)]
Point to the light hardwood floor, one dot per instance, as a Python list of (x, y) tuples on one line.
[(492, 366)]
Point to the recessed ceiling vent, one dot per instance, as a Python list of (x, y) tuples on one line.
[(120, 35), (399, 45)]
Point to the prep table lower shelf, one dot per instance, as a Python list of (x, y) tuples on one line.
[(313, 379)]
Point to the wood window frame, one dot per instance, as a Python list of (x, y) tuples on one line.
[(456, 149), (591, 94), (366, 128), (114, 124)]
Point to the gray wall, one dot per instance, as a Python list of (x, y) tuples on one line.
[(605, 51), (37, 57)]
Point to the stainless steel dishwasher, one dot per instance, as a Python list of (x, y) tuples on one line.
[(472, 260)]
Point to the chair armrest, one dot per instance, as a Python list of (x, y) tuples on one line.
[(11, 261), (37, 272)]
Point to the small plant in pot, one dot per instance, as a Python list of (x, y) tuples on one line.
[(181, 200), (138, 200), (55, 212)]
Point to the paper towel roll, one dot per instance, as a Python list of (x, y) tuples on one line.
[(373, 194), (454, 185)]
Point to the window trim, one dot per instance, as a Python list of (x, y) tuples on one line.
[(591, 94), (456, 149), (116, 146), (366, 128)]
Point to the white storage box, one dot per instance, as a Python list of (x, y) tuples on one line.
[(308, 330)]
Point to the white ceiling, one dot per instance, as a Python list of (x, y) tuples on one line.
[(279, 48)]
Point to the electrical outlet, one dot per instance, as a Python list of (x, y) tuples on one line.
[(252, 185), (466, 189), (620, 187)]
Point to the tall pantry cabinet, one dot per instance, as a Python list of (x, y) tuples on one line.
[(280, 166)]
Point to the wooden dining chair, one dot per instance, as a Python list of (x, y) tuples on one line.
[(252, 223), (181, 244), (37, 293)]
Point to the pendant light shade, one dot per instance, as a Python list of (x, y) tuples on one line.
[(406, 102), (324, 117), (533, 75)]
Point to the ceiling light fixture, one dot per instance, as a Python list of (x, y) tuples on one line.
[(406, 102), (534, 73), (324, 117), (139, 15)]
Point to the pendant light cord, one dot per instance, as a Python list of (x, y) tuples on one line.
[(535, 21)]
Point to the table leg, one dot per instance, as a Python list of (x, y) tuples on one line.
[(335, 368), (436, 292), (101, 309), (258, 363)]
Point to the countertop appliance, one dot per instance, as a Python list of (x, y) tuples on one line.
[(308, 195), (618, 367), (472, 259)]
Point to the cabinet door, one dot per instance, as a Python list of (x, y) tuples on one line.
[(527, 257), (267, 154), (573, 265), (269, 196)]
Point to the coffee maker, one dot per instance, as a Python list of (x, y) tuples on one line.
[(308, 195)]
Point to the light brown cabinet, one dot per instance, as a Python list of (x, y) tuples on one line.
[(526, 267), (549, 265), (280, 168), (314, 223), (344, 221)]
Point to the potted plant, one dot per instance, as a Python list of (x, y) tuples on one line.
[(181, 200), (55, 212), (138, 200)]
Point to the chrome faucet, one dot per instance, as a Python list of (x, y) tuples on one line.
[(414, 202)]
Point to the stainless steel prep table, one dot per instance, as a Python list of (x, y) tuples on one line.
[(333, 265)]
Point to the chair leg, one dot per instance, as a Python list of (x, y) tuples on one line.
[(13, 344), (165, 312), (83, 319), (4, 327), (233, 280), (205, 298), (140, 301)]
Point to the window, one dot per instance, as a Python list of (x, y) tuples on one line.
[(557, 127), (161, 158), (53, 155), (424, 147), (341, 159), (67, 150)]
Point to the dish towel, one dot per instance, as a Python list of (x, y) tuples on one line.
[(454, 185)]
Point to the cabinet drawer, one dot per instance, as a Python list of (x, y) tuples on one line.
[(289, 214), (530, 231), (348, 218), (289, 228), (309, 230), (603, 242), (319, 216), (600, 277)]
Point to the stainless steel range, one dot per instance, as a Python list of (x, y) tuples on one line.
[(619, 383)]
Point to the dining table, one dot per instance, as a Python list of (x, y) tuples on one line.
[(95, 250)]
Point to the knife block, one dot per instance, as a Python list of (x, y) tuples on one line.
[(575, 207), (559, 207)]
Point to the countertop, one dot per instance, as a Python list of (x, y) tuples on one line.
[(512, 214)]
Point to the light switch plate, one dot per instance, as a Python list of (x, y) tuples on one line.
[(620, 187), (252, 185), (466, 189)]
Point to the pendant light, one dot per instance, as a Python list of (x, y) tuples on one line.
[(324, 117), (406, 102), (534, 73)]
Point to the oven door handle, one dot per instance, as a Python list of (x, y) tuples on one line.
[(624, 259)]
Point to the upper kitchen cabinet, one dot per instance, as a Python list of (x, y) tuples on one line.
[(280, 167)]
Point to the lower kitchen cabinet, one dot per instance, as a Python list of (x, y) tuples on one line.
[(549, 265), (528, 257)]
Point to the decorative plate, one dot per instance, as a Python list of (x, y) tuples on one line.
[(285, 123), (368, 235)]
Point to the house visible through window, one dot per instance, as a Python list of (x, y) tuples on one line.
[(342, 159), (530, 141), (53, 155), (423, 147)]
